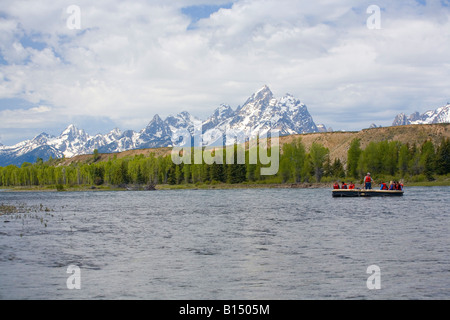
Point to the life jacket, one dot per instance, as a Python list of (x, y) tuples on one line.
[(351, 187), (336, 186), (344, 186), (384, 186), (368, 179)]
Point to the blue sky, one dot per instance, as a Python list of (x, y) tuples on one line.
[(132, 60), (202, 11)]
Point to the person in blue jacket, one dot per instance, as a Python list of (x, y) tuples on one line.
[(392, 185)]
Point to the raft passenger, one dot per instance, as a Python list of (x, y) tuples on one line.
[(392, 185), (368, 181)]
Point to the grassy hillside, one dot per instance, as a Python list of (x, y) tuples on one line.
[(338, 142), (106, 156)]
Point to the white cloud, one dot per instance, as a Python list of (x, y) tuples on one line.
[(132, 60), (26, 118), (40, 109)]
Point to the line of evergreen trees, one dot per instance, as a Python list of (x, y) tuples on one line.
[(296, 166)]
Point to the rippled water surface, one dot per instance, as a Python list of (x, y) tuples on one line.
[(225, 244)]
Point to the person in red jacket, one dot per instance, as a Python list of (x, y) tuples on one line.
[(384, 186), (368, 181), (336, 186), (344, 186), (351, 186)]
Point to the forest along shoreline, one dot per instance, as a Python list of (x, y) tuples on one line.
[(415, 155)]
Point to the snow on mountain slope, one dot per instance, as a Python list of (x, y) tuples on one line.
[(182, 120), (220, 115), (440, 115), (259, 114), (262, 112)]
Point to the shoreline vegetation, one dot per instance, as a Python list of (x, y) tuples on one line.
[(417, 156), (440, 181)]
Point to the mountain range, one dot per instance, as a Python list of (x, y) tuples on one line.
[(440, 115), (261, 113)]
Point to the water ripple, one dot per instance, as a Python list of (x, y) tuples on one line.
[(228, 244)]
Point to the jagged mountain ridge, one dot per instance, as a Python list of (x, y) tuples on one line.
[(440, 115), (259, 114)]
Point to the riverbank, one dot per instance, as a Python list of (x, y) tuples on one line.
[(439, 182), (202, 186)]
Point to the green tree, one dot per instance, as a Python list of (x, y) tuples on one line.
[(404, 158), (171, 176), (443, 157), (318, 155), (292, 161), (308, 169), (427, 159), (415, 166), (353, 154), (98, 173), (327, 167), (217, 172), (140, 179), (187, 174), (96, 156), (370, 160), (123, 169), (389, 155), (236, 172), (337, 169)]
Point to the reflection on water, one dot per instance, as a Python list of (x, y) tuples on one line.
[(225, 244)]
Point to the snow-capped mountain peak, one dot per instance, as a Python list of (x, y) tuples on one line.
[(260, 113), (182, 120), (259, 100), (290, 103), (73, 132), (42, 138), (115, 132), (156, 119), (223, 111), (264, 91), (439, 115)]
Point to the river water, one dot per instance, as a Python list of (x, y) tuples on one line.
[(225, 244)]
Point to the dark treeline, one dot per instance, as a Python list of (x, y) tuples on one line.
[(296, 165)]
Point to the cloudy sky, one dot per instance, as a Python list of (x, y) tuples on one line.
[(118, 63)]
